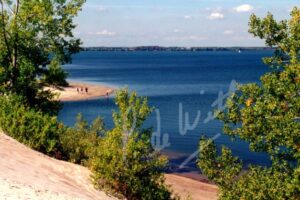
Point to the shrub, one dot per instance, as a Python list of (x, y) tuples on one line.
[(42, 132), (30, 127), (55, 76), (125, 163), (79, 143)]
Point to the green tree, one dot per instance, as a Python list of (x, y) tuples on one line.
[(80, 142), (35, 39), (266, 115), (125, 164), (283, 35), (55, 75)]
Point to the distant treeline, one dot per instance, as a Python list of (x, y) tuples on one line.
[(159, 48)]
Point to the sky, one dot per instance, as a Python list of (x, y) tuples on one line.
[(185, 23)]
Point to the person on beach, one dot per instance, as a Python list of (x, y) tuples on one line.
[(86, 90), (77, 90), (81, 89)]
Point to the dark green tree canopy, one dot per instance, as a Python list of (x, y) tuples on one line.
[(35, 35)]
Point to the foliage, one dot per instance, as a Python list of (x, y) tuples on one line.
[(45, 134), (221, 169), (125, 163), (284, 35), (266, 115), (30, 127), (35, 38), (55, 76), (80, 142), (263, 183)]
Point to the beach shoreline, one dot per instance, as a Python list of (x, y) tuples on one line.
[(70, 93), (78, 91), (176, 179)]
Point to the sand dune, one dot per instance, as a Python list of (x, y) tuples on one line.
[(27, 174)]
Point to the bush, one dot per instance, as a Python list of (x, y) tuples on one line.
[(79, 143), (55, 76), (30, 127), (45, 134), (125, 163), (225, 170)]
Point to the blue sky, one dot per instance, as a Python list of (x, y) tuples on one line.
[(174, 22)]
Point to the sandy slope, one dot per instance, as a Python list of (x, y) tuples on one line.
[(12, 190), (27, 174), (196, 190)]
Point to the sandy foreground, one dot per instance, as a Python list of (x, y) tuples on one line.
[(77, 91), (27, 174), (188, 188)]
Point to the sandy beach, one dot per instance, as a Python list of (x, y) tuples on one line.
[(77, 91)]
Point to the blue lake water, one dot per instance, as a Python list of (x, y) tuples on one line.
[(173, 81)]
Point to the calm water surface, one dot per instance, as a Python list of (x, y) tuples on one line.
[(176, 83)]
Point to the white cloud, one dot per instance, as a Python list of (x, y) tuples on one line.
[(244, 8), (98, 8), (215, 15), (177, 31), (193, 37), (218, 9), (105, 33), (228, 32), (186, 38), (187, 17)]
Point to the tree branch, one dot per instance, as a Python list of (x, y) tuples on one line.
[(3, 29), (16, 34)]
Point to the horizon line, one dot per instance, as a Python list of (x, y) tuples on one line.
[(176, 46)]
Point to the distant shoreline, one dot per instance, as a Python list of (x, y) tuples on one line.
[(171, 49), (77, 91)]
